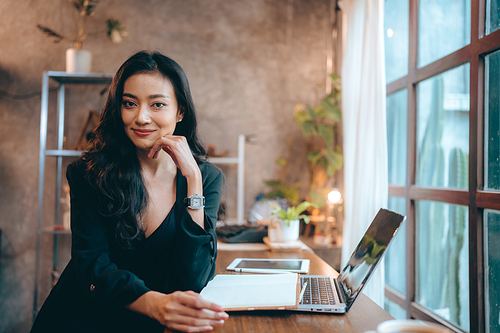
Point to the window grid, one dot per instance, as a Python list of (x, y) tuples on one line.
[(475, 197)]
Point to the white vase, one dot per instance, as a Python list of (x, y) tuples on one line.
[(78, 61), (288, 233)]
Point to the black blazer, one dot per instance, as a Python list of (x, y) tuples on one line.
[(102, 277)]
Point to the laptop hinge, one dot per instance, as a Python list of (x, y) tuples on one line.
[(340, 291)]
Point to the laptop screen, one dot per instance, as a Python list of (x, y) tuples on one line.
[(368, 254)]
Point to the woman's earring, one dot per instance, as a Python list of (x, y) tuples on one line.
[(179, 120)]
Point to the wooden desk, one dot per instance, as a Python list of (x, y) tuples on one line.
[(364, 315)]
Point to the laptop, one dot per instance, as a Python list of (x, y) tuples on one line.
[(328, 294)]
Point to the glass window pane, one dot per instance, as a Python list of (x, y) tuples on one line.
[(394, 309), (492, 16), (396, 105), (443, 28), (396, 17), (492, 280), (395, 260), (442, 260), (492, 121), (443, 130)]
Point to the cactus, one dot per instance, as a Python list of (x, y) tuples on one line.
[(458, 178), (430, 173)]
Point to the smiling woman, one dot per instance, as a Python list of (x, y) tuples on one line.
[(142, 248), (147, 117)]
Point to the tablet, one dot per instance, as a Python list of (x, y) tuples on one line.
[(266, 265)]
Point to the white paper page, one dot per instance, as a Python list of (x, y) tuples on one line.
[(253, 290)]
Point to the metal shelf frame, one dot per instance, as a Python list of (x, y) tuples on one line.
[(62, 78), (240, 161)]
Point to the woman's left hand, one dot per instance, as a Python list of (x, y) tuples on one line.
[(178, 149)]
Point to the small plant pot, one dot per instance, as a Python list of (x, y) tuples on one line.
[(78, 61), (287, 233)]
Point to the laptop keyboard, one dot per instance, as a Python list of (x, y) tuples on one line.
[(318, 290)]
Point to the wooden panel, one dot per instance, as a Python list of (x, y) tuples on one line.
[(364, 315), (397, 191), (488, 200), (421, 313), (397, 85), (457, 197), (444, 64), (476, 313), (489, 43), (411, 154), (394, 296)]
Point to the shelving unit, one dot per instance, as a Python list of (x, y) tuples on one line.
[(61, 78), (55, 228), (240, 161)]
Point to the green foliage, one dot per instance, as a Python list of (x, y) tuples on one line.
[(319, 121), (322, 121), (293, 213), (281, 190)]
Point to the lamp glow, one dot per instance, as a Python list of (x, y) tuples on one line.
[(334, 196)]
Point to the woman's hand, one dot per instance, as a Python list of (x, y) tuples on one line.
[(188, 312), (184, 311), (178, 149)]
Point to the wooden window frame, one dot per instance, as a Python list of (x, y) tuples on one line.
[(475, 197)]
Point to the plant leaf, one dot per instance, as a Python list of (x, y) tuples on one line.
[(314, 156), (51, 33), (335, 161), (318, 199), (311, 112), (282, 161), (326, 132), (299, 115), (272, 183), (332, 111), (303, 206), (305, 218), (308, 128)]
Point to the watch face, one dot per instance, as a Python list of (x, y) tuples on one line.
[(196, 202)]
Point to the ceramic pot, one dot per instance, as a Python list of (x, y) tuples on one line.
[(288, 233), (78, 61)]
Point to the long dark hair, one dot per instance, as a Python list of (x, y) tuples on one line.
[(111, 161)]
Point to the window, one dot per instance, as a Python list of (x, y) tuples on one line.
[(443, 133)]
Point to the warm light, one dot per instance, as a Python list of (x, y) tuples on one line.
[(334, 196), (390, 33)]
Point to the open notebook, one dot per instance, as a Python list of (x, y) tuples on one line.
[(254, 291)]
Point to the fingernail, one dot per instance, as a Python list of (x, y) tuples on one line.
[(209, 328), (223, 315)]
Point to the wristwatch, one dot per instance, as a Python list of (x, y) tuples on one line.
[(194, 201)]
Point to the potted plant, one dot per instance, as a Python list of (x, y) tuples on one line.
[(78, 59), (286, 228), (319, 126)]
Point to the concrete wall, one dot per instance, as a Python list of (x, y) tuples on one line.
[(248, 61)]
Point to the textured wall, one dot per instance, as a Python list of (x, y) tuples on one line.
[(248, 61)]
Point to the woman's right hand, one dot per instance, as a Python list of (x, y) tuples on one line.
[(185, 311)]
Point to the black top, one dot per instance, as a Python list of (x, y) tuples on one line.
[(102, 277)]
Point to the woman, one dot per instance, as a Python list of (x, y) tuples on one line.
[(143, 243)]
